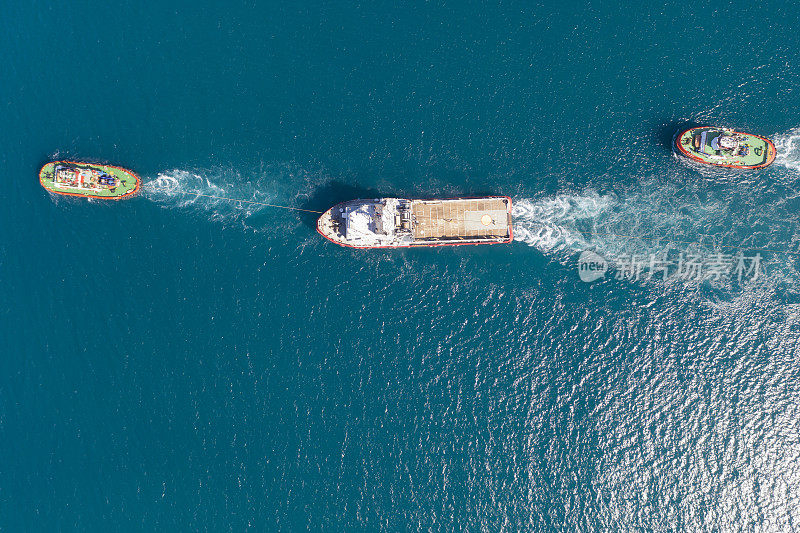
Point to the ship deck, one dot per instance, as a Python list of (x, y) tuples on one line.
[(461, 219)]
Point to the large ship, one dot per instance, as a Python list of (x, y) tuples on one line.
[(89, 180), (725, 148), (401, 223)]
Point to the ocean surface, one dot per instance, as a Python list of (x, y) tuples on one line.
[(175, 362)]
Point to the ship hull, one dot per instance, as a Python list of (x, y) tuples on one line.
[(433, 222), (697, 144), (127, 183)]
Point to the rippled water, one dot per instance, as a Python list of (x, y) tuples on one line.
[(183, 361)]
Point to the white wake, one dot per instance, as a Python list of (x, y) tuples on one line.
[(788, 148), (690, 219), (226, 195), (559, 223)]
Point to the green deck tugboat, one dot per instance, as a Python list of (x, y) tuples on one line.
[(89, 180), (726, 148)]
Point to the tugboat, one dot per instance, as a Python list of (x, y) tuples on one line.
[(89, 180), (723, 147), (403, 223)]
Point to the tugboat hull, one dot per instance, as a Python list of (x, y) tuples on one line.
[(89, 180), (725, 148)]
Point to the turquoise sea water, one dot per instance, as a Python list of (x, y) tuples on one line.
[(179, 363)]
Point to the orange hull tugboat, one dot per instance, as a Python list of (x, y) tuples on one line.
[(89, 180), (725, 148)]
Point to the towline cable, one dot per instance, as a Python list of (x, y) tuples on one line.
[(651, 236), (188, 193)]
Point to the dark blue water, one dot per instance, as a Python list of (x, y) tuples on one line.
[(179, 363)]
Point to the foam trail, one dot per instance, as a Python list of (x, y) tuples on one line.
[(552, 223), (211, 192), (645, 220), (659, 217), (788, 147)]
